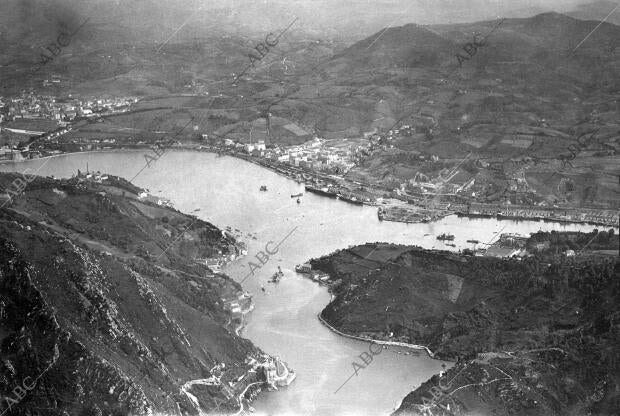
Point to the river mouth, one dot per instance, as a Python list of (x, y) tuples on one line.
[(284, 321)]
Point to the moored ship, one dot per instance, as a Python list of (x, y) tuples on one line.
[(321, 191), (350, 199), (445, 237)]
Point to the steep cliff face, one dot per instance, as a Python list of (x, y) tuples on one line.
[(532, 337), (46, 366), (103, 311)]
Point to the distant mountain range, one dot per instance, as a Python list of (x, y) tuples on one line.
[(153, 21), (522, 38)]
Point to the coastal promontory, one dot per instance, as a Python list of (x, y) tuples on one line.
[(536, 335)]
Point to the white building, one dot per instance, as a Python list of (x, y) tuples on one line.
[(260, 145), (214, 265)]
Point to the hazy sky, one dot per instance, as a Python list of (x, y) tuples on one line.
[(315, 12)]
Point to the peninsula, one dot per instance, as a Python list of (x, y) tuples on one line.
[(535, 336)]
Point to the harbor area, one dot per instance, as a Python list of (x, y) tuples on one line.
[(241, 386), (410, 214), (395, 210)]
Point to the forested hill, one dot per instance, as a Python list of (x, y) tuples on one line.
[(536, 336)]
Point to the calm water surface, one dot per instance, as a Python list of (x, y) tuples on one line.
[(284, 321)]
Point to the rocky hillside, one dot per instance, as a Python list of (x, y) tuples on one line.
[(103, 309), (530, 337)]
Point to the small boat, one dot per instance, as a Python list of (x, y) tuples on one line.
[(298, 201), (446, 237), (451, 245), (277, 276), (263, 188), (297, 195), (473, 241)]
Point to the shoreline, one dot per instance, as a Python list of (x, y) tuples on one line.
[(377, 341), (8, 162), (279, 172), (501, 217)]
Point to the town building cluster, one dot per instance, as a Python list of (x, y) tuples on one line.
[(47, 118), (62, 110), (315, 154)]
